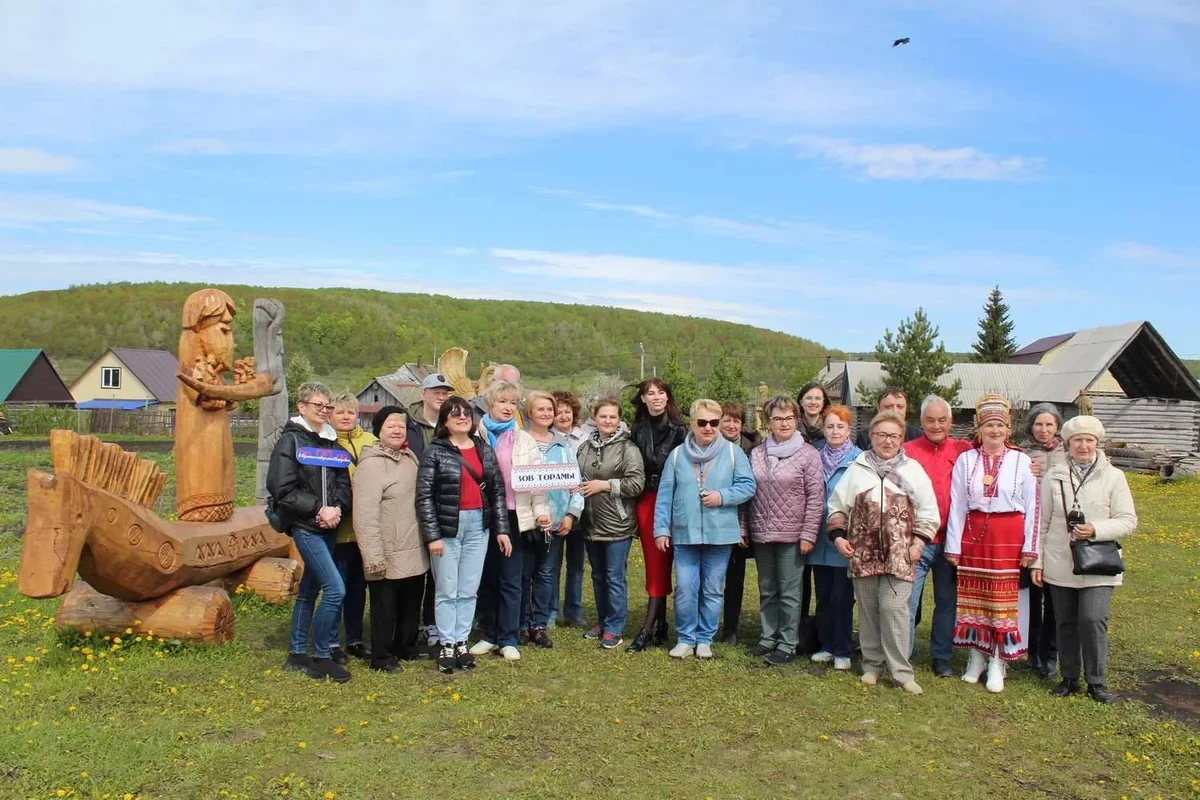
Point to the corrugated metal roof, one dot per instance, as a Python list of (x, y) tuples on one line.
[(13, 366), (1010, 380), (1080, 361), (155, 369)]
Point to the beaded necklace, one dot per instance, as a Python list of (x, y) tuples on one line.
[(991, 488)]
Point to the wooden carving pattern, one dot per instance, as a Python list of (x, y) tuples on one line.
[(272, 409)]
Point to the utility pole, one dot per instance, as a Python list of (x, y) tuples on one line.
[(642, 360)]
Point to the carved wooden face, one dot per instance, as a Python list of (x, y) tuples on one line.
[(216, 338)]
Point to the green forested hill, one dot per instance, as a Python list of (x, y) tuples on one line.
[(361, 332)]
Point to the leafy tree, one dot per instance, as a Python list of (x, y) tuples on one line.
[(726, 380), (684, 384), (995, 342), (806, 369), (296, 371), (913, 363)]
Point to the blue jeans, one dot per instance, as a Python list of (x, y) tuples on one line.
[(575, 548), (699, 590), (320, 576), (835, 610), (609, 561), (349, 562), (539, 579), (945, 601), (456, 575)]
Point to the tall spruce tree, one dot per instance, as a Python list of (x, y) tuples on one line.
[(995, 342), (726, 380), (684, 385), (913, 363)]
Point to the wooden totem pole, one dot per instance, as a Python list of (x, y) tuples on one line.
[(94, 516)]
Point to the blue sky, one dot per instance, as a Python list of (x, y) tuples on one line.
[(772, 163)]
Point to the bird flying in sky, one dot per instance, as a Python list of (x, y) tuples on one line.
[(899, 42)]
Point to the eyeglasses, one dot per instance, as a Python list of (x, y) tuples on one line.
[(459, 411), (784, 420), (319, 406), (880, 436), (707, 423)]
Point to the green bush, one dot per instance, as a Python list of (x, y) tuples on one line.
[(38, 419)]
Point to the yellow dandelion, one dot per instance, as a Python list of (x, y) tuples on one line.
[(330, 795), (303, 745)]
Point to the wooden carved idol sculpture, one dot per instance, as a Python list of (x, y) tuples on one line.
[(203, 438)]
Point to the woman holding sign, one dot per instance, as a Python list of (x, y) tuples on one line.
[(703, 482), (311, 497), (612, 475), (564, 509), (460, 498)]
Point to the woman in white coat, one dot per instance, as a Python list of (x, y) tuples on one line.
[(1092, 487)]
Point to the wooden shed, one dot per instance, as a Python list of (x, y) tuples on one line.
[(27, 377)]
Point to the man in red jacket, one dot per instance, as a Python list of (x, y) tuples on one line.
[(937, 452)]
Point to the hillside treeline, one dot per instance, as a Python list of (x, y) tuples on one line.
[(341, 329)]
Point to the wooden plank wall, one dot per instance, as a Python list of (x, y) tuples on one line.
[(1173, 424)]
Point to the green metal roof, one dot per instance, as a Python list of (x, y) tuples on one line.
[(13, 366)]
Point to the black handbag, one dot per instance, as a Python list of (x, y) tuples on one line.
[(1089, 557), (275, 519)]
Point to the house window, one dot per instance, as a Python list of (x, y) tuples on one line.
[(376, 396), (110, 377)]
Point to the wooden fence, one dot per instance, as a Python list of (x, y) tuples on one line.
[(155, 422)]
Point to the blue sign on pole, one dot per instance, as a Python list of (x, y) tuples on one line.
[(323, 457)]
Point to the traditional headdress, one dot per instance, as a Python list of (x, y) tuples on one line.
[(991, 407)]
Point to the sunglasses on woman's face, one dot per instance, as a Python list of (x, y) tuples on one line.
[(459, 412), (707, 423)]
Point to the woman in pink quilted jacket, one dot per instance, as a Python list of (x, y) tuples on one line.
[(783, 519)]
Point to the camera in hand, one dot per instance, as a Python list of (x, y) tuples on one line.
[(1075, 518)]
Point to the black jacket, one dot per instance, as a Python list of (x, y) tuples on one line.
[(655, 439), (439, 488), (296, 487), (910, 432)]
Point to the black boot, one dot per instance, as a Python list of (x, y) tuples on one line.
[(1100, 693), (1065, 688), (326, 668), (640, 642), (360, 651), (660, 623)]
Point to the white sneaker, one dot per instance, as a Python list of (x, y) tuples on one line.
[(432, 638), (869, 679), (995, 676), (681, 651), (912, 687), (822, 657), (483, 647), (510, 653), (976, 664), (704, 651), (841, 663)]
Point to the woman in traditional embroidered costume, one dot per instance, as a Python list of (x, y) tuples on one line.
[(992, 532)]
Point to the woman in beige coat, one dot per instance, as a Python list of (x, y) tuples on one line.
[(385, 523), (1087, 484)]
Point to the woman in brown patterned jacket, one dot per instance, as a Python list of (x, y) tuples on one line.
[(881, 516)]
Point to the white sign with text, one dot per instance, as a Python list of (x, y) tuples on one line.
[(544, 477)]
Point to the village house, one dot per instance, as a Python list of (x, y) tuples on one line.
[(126, 378), (400, 388), (27, 378)]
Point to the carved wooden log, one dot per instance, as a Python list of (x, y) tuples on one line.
[(193, 613), (274, 580), (272, 409), (125, 550)]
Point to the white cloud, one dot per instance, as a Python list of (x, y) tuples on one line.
[(918, 161), (32, 160), (373, 73), (1155, 261), (612, 268), (196, 147), (32, 209)]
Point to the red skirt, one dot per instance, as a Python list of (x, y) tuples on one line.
[(989, 583), (658, 563)]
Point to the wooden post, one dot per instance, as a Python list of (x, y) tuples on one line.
[(274, 580), (272, 409), (194, 613)]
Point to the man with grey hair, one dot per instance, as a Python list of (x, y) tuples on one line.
[(936, 451)]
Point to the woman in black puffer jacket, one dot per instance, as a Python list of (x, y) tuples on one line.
[(311, 501), (460, 498)]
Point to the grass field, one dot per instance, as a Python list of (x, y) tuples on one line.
[(97, 718)]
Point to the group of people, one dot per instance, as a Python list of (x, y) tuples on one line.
[(427, 520)]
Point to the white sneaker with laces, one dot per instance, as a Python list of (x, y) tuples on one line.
[(510, 653), (704, 651), (841, 663), (482, 648), (681, 651), (822, 657)]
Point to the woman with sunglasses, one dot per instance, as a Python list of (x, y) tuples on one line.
[(611, 480), (657, 430), (460, 503), (703, 482), (312, 500)]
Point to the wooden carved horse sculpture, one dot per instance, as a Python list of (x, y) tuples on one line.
[(94, 515)]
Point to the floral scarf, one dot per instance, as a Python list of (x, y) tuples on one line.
[(832, 457)]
